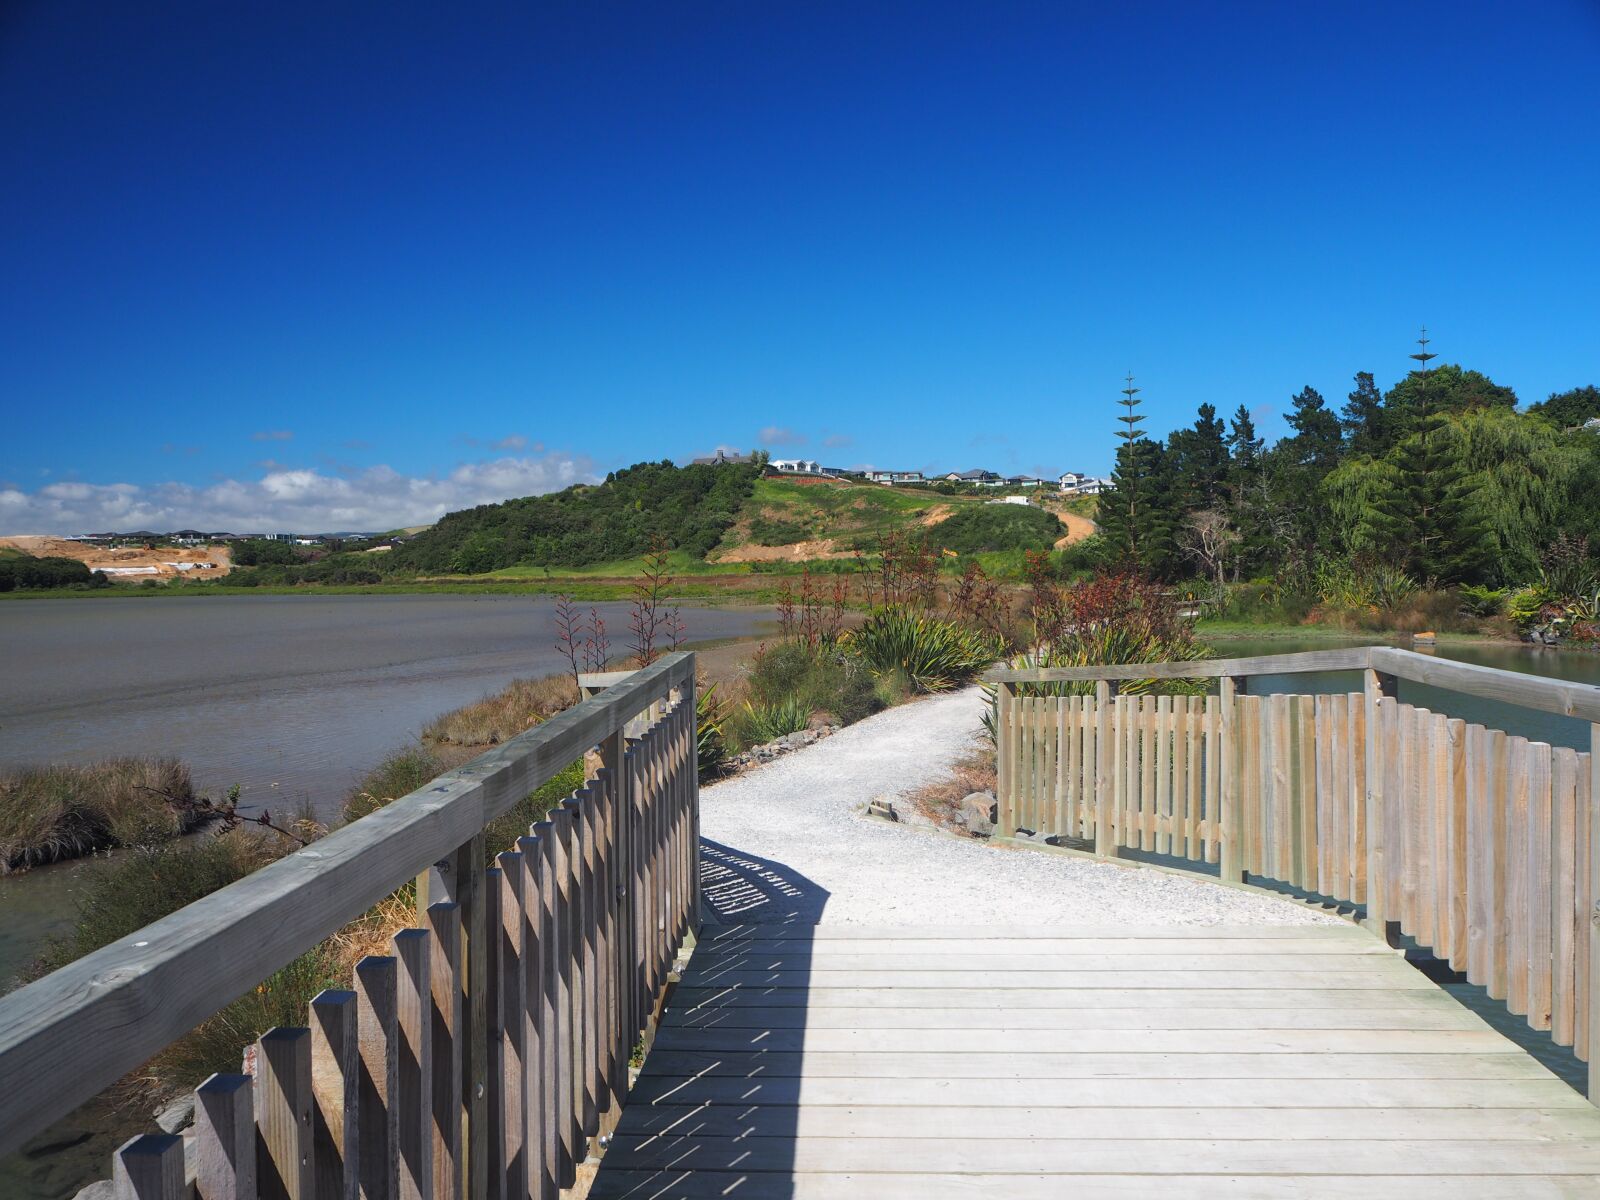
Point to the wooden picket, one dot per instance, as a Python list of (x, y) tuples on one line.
[(1488, 856)]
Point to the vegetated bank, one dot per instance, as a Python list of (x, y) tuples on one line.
[(56, 812)]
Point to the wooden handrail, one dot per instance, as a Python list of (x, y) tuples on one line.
[(1344, 659), (67, 1036), (1579, 700)]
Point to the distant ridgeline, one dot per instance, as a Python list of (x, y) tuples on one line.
[(691, 507)]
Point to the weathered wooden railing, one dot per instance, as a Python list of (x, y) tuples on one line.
[(478, 1057), (1481, 845)]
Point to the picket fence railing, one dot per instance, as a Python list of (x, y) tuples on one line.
[(474, 1060), (1483, 846)]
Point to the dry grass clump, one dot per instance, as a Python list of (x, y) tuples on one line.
[(51, 813), (941, 801), (500, 717)]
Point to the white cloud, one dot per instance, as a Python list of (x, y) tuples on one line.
[(777, 435), (303, 500)]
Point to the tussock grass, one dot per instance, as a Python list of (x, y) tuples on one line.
[(500, 717), (153, 880), (57, 812), (940, 801)]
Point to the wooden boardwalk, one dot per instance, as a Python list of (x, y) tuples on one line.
[(911, 1064)]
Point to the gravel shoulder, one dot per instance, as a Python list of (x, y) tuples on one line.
[(789, 842)]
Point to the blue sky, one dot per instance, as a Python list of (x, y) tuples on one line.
[(354, 264)]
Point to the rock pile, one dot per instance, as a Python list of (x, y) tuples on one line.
[(757, 755)]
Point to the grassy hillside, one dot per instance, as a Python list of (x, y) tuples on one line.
[(822, 518), (723, 520)]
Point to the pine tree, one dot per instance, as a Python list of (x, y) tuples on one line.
[(1362, 418), (1316, 444), (1129, 477), (1200, 459), (1248, 500)]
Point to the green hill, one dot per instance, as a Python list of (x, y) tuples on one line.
[(714, 519), (689, 507)]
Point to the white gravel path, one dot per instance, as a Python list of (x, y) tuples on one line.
[(788, 842)]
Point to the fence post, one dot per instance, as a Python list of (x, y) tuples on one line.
[(1105, 841), (459, 878), (1231, 836), (1377, 687), (1005, 758), (1593, 867)]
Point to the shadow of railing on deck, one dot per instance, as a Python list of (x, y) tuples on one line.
[(717, 1108), (736, 887)]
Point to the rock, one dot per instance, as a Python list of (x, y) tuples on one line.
[(978, 813), (102, 1190), (176, 1115)]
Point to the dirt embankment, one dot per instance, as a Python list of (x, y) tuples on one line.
[(129, 563), (809, 551)]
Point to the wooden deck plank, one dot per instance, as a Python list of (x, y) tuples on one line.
[(1050, 946), (1087, 996), (1062, 1156), (713, 934), (1073, 1040), (1306, 1062), (1396, 977), (1023, 1063), (1084, 1123), (1025, 966), (722, 1185), (1019, 1021), (1266, 1094)]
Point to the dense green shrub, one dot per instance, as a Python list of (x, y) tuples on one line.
[(976, 527), (265, 552), (823, 678), (23, 574), (767, 532), (933, 654)]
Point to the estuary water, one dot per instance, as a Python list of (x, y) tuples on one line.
[(291, 698), (1574, 665)]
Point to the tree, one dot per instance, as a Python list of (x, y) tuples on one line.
[(1512, 481), (1364, 496), (1208, 537), (1443, 390), (1569, 410), (1317, 443), (1248, 498), (1362, 419), (1299, 463), (1200, 458), (1129, 476)]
